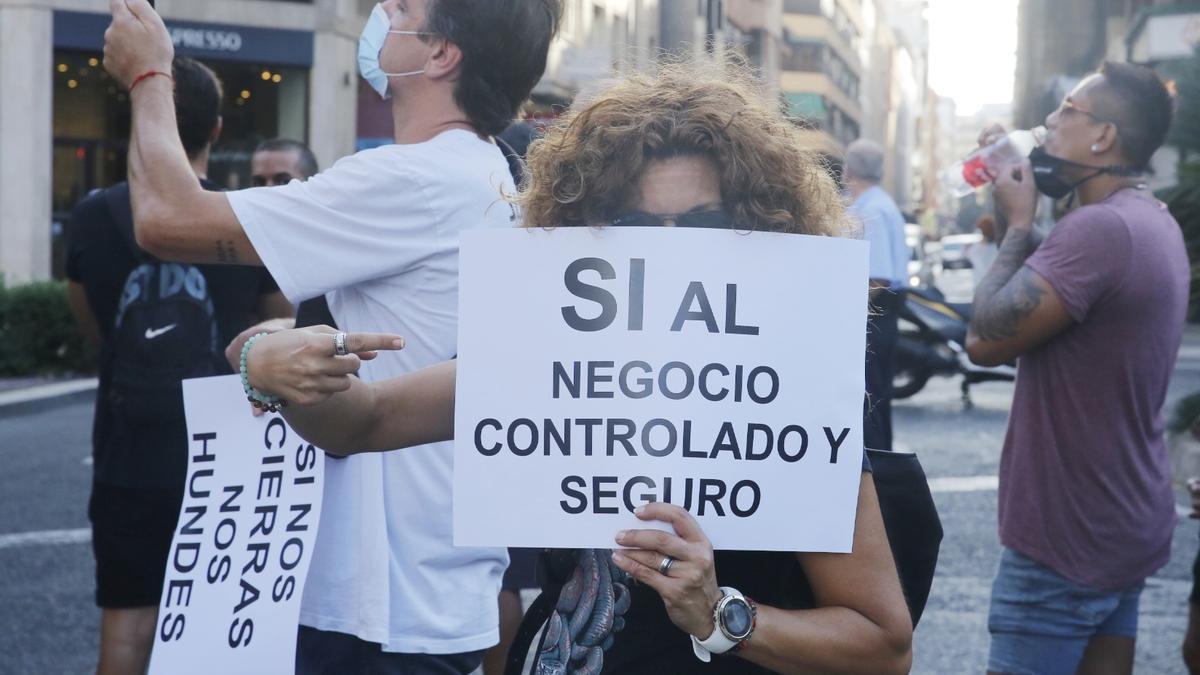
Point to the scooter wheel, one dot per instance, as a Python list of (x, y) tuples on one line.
[(906, 383)]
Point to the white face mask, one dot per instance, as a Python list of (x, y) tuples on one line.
[(370, 43)]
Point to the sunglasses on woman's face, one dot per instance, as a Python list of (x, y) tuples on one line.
[(716, 219)]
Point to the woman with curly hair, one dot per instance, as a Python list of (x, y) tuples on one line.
[(709, 117), (688, 147)]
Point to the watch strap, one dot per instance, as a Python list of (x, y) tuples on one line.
[(753, 624), (718, 642)]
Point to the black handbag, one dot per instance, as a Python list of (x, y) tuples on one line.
[(910, 518)]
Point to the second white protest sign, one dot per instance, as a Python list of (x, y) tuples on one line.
[(240, 555), (600, 368)]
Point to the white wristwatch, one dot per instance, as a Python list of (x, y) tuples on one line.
[(733, 618)]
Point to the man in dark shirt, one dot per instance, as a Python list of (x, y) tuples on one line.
[(141, 461)]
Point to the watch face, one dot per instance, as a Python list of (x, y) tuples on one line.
[(736, 619)]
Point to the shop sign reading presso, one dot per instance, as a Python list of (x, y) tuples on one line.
[(218, 42), (207, 40)]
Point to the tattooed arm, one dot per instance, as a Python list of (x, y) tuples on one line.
[(174, 218), (1015, 308)]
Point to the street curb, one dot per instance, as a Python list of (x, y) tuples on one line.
[(47, 391)]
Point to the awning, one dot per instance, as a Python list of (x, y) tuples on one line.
[(808, 106)]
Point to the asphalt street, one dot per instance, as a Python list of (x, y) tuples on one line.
[(48, 623)]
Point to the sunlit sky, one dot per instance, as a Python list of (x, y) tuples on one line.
[(972, 51)]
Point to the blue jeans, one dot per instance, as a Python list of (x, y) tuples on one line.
[(1041, 621)]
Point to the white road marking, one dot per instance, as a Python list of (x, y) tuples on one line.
[(84, 535), (964, 484), (46, 538), (46, 391), (985, 483)]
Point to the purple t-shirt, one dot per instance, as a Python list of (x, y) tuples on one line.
[(1085, 481)]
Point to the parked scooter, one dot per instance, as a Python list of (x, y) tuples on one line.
[(932, 341)]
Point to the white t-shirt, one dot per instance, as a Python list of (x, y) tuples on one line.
[(378, 233)]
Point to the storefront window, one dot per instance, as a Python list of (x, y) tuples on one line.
[(92, 117)]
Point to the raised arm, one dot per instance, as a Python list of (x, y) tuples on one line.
[(1015, 308), (338, 412), (174, 218)]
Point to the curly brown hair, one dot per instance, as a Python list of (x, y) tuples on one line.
[(584, 170)]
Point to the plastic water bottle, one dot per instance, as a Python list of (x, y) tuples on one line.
[(980, 167)]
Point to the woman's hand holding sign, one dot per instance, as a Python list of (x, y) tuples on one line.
[(301, 365), (689, 585)]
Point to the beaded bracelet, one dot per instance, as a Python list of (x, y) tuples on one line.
[(258, 399)]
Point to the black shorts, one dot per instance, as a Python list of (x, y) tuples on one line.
[(131, 539)]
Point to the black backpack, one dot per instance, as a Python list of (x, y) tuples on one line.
[(165, 331)]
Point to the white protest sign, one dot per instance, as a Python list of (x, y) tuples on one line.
[(600, 368), (231, 598)]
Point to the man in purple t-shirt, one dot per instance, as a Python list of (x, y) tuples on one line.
[(1096, 315)]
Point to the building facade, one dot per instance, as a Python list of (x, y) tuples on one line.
[(756, 26), (288, 68), (895, 50), (597, 40), (842, 68), (855, 69), (1060, 41), (821, 76)]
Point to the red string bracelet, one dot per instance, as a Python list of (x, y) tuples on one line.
[(148, 75)]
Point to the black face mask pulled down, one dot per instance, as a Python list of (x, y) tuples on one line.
[(1050, 177)]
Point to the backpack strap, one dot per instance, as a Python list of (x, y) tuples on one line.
[(120, 206), (532, 622), (516, 164)]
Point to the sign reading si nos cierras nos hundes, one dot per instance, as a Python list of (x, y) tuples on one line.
[(240, 555), (602, 368)]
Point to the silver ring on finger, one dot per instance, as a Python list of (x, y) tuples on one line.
[(339, 344), (664, 567)]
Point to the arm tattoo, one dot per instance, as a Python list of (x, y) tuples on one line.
[(1009, 293), (1001, 227), (226, 252), (1001, 318)]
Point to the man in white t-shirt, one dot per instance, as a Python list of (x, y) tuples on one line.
[(377, 234)]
